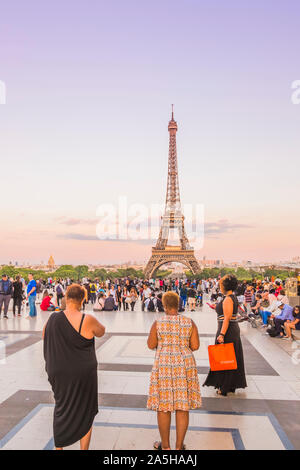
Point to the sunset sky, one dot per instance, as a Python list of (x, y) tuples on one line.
[(89, 92)]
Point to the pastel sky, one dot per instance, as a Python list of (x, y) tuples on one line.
[(89, 92)]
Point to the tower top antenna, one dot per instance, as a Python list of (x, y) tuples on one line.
[(172, 112)]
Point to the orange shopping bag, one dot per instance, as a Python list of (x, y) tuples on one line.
[(222, 357)]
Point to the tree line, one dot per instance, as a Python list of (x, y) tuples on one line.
[(77, 273)]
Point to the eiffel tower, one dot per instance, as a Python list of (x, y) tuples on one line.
[(172, 220)]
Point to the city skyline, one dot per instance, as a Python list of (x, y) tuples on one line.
[(86, 115)]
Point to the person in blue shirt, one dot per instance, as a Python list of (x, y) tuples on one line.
[(31, 295), (183, 294), (292, 325), (279, 320)]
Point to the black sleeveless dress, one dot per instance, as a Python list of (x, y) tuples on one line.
[(229, 380), (71, 365)]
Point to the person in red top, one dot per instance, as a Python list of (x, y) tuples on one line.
[(47, 305), (278, 288)]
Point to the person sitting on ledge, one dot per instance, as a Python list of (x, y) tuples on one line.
[(109, 304), (281, 319), (292, 325), (99, 305)]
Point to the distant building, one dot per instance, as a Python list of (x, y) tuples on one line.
[(51, 263), (211, 262)]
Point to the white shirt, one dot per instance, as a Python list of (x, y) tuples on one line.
[(147, 293)]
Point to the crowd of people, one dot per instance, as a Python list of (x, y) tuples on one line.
[(265, 304), (109, 295), (261, 303)]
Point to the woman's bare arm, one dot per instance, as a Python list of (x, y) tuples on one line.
[(97, 328), (194, 339), (152, 338), (44, 329)]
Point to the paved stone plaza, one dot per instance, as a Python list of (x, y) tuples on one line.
[(264, 416)]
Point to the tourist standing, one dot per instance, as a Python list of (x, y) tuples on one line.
[(31, 295), (124, 298), (59, 290), (17, 295), (119, 297), (191, 295), (133, 298), (226, 381), (71, 365), (248, 299), (6, 290), (39, 289), (174, 337), (93, 290), (146, 295), (183, 294)]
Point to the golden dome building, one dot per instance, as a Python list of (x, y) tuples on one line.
[(51, 263)]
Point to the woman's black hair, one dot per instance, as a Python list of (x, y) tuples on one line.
[(296, 306), (229, 282)]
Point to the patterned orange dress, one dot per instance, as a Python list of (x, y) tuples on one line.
[(174, 383)]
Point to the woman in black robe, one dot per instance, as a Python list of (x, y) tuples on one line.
[(71, 365), (226, 381)]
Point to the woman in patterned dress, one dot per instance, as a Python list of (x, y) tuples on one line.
[(174, 384)]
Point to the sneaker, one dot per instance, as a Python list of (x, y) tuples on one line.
[(287, 338), (5, 316)]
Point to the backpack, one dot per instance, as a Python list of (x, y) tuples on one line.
[(160, 307), (58, 290), (272, 332), (151, 307)]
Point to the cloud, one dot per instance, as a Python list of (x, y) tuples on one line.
[(77, 236), (223, 226), (211, 230), (75, 221), (82, 237)]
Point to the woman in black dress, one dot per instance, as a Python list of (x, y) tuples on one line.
[(228, 332), (71, 365)]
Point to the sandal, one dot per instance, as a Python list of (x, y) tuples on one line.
[(157, 445)]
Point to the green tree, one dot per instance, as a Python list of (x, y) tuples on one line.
[(82, 271)]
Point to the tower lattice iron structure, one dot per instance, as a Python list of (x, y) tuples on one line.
[(173, 219)]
